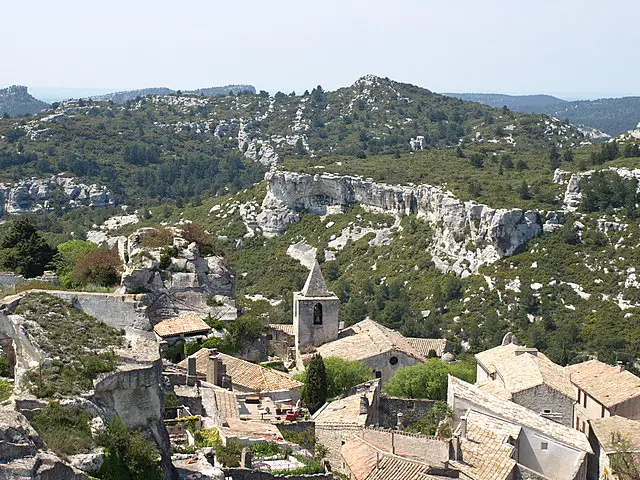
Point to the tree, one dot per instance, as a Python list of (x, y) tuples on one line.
[(554, 157), (343, 374), (567, 156), (428, 380), (129, 455), (23, 250), (428, 425), (314, 393), (624, 461), (523, 191), (477, 160), (100, 267)]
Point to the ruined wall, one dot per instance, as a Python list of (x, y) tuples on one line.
[(412, 410), (333, 436), (431, 450), (244, 474)]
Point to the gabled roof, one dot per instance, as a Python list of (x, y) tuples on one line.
[(609, 385), (613, 429), (487, 451), (517, 414), (246, 374), (425, 345), (347, 410), (315, 285), (367, 462), (183, 325), (519, 368), (366, 339)]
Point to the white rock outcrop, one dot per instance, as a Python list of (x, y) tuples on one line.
[(467, 234)]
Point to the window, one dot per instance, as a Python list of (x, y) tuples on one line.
[(547, 411), (603, 411), (378, 374), (393, 360), (579, 396), (577, 423), (544, 446), (269, 337), (317, 314), (584, 396)]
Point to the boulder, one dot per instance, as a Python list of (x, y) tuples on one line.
[(17, 437)]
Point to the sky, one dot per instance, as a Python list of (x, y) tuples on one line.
[(571, 48)]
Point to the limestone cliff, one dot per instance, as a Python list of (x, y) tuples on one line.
[(467, 234)]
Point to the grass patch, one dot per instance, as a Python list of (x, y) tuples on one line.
[(79, 346), (64, 429)]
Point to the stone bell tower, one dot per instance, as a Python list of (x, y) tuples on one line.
[(315, 312)]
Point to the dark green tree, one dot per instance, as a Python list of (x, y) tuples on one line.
[(314, 393), (23, 250), (523, 191)]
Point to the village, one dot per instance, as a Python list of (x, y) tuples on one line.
[(262, 412)]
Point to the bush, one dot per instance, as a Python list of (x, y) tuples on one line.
[(129, 455), (101, 267), (265, 449), (428, 379), (206, 437), (428, 424), (229, 454), (5, 389), (157, 238), (68, 255), (64, 429)]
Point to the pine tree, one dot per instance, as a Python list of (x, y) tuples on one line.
[(314, 394), (524, 191)]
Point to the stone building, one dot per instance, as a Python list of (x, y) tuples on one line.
[(380, 348), (602, 391), (528, 378), (315, 313), (610, 436)]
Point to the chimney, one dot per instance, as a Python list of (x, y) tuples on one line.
[(364, 405), (399, 416), (192, 374), (215, 369), (621, 366), (246, 458), (463, 428)]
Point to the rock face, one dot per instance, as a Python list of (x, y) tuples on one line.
[(573, 193), (43, 195), (177, 279), (467, 234)]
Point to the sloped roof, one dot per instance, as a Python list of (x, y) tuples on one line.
[(283, 327), (519, 368), (183, 325), (486, 452), (607, 430), (246, 374), (346, 410), (512, 412), (315, 285), (366, 339), (367, 462), (425, 345), (609, 385)]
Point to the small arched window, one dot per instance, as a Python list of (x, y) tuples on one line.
[(393, 360), (317, 314)]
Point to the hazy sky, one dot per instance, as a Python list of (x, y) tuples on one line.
[(566, 47)]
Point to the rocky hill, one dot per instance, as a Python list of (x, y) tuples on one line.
[(612, 116), (126, 96), (16, 101)]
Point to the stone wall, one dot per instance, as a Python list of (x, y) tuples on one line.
[(431, 450), (298, 427), (11, 280), (245, 474), (494, 233), (333, 436), (412, 410), (547, 403)]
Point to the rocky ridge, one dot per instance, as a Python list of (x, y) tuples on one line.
[(15, 100), (467, 234), (42, 195)]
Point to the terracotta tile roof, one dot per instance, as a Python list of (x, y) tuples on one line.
[(519, 368), (226, 404), (607, 429), (609, 385), (346, 410), (183, 325), (512, 412), (425, 345), (246, 374), (367, 462), (283, 327), (487, 452), (366, 339), (252, 429)]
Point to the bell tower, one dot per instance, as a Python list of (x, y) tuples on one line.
[(315, 312)]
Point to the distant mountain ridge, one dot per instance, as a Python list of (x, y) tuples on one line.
[(517, 103), (610, 115), (125, 96), (16, 100)]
